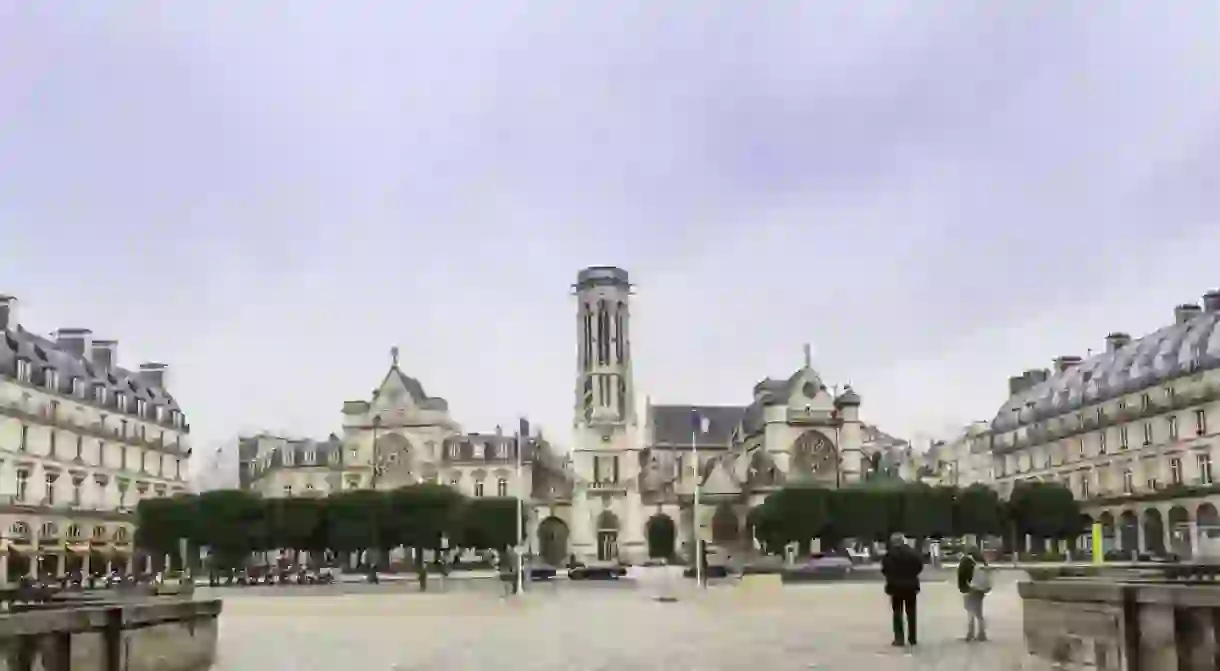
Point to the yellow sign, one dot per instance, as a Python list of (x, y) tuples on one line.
[(1099, 552)]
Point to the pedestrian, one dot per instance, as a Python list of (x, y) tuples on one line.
[(901, 567), (974, 582)]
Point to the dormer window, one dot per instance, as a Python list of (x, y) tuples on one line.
[(160, 414), (78, 387), (141, 406), (311, 457), (52, 379), (478, 450), (121, 399), (23, 370), (99, 395)]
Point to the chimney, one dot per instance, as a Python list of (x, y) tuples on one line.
[(1016, 385), (1186, 312), (499, 430), (1116, 341), (153, 374), (1036, 376), (523, 428), (103, 354), (8, 312), (1211, 302), (74, 340), (1065, 362)]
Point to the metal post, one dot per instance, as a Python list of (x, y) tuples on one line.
[(520, 518), (699, 549)]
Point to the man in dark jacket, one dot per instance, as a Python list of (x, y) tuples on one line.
[(901, 567)]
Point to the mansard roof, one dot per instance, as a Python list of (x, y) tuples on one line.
[(45, 355), (1190, 345)]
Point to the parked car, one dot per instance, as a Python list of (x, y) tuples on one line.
[(598, 571)]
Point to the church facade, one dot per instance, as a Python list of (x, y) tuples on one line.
[(633, 481), (627, 481)]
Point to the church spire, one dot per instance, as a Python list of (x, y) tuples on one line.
[(808, 356), (394, 356)]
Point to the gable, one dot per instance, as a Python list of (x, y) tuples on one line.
[(720, 480)]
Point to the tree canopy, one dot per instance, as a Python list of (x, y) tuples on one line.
[(232, 524)]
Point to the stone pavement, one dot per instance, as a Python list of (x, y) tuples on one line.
[(588, 626)]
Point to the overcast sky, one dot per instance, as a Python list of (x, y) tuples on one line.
[(268, 196)]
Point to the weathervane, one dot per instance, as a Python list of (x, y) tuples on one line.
[(394, 356)]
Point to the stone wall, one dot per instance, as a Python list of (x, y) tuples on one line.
[(167, 634), (1115, 625)]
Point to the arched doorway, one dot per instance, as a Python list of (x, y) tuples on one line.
[(1179, 532), (553, 541), (1084, 541), (1208, 522), (1154, 532), (660, 533), (1107, 520), (1128, 532), (18, 564), (725, 531), (607, 536)]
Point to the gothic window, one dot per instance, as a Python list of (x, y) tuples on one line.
[(603, 335), (622, 395), (813, 454), (588, 339), (619, 339)]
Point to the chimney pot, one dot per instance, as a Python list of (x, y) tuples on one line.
[(8, 312), (104, 354), (1116, 341), (1186, 312), (1211, 301)]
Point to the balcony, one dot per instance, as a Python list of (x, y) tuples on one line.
[(810, 416), (607, 485)]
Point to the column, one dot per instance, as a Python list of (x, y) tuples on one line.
[(4, 568)]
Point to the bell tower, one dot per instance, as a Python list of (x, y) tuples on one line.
[(604, 389), (607, 519)]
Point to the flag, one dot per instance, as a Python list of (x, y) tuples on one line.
[(698, 422)]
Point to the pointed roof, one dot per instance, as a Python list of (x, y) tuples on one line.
[(718, 477)]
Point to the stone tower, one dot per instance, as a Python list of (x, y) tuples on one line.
[(605, 506)]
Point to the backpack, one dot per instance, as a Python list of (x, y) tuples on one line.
[(981, 580)]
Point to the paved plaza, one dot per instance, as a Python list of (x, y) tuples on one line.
[(575, 627)]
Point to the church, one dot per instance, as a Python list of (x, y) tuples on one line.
[(626, 482), (631, 482)]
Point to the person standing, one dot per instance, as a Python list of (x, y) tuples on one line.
[(901, 567), (974, 583)]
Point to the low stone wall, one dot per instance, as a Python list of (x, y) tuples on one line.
[(148, 635), (1114, 625)]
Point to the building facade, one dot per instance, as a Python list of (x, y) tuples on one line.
[(628, 476), (1131, 431), (402, 436), (82, 441), (623, 475)]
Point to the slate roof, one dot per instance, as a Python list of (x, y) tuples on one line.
[(672, 424), (1169, 352), (45, 355)]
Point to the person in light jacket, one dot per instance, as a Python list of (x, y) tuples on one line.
[(976, 624)]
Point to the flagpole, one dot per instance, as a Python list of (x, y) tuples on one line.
[(520, 520), (694, 448)]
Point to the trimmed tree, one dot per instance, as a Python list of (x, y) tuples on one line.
[(231, 523), (977, 512)]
